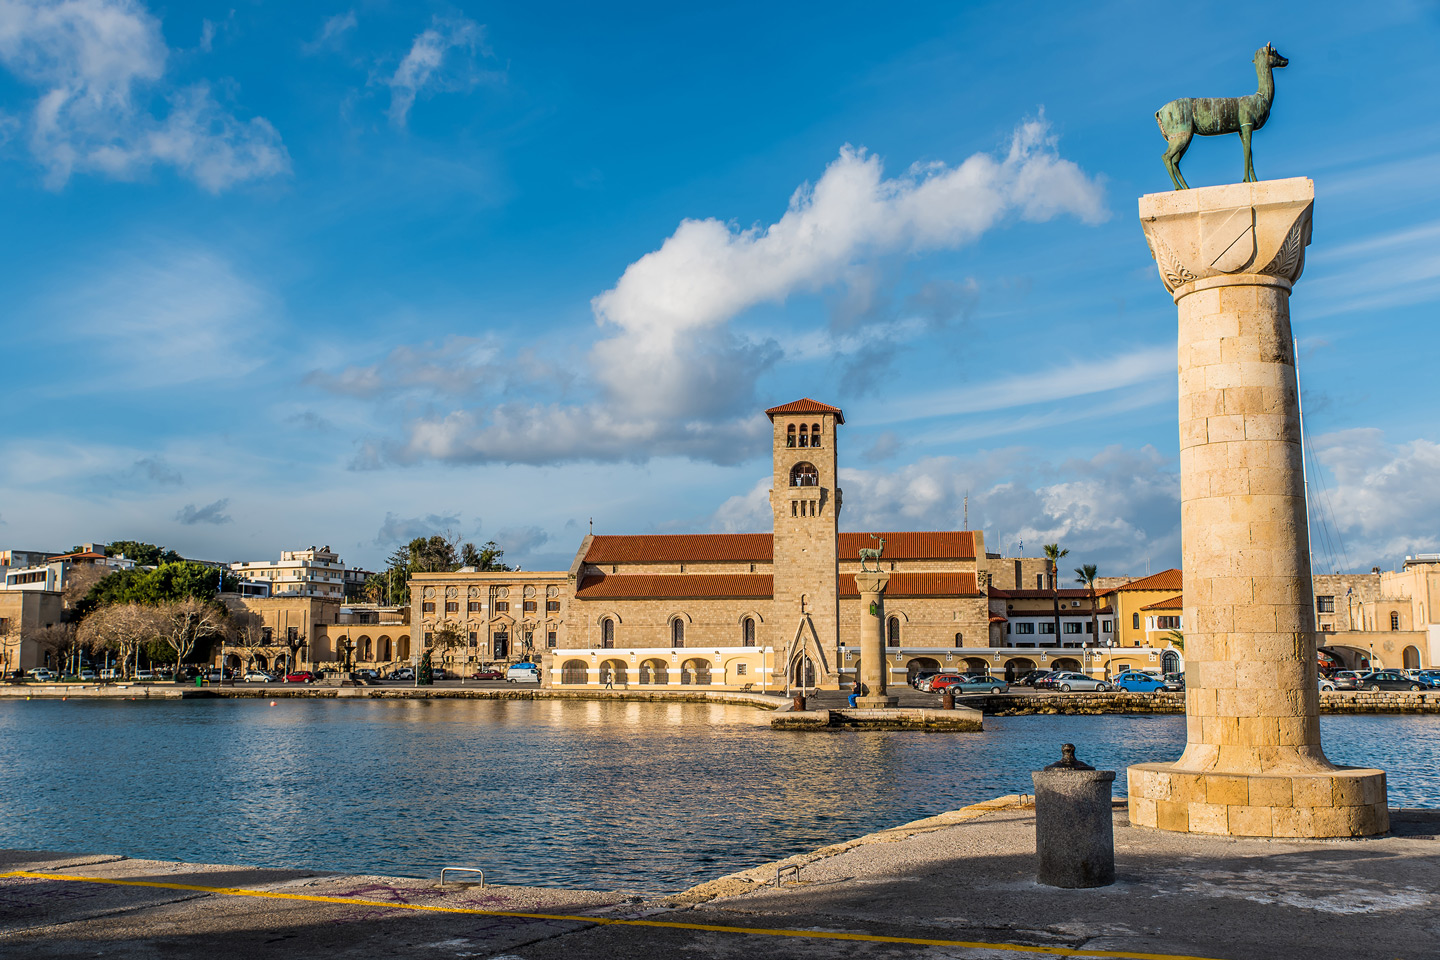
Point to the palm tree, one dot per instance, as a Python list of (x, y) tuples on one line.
[(1053, 553), (1086, 574)]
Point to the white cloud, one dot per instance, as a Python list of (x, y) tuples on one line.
[(212, 513), (441, 58), (94, 63), (454, 366), (1386, 498), (400, 530), (333, 32), (674, 378)]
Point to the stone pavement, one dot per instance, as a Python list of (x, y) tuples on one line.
[(959, 885)]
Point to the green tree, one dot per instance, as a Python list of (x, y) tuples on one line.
[(1054, 554), (1086, 574), (436, 554), (145, 554), (425, 676), (167, 583)]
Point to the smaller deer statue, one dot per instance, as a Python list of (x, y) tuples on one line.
[(872, 553), (1182, 119)]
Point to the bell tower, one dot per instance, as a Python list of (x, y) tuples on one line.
[(806, 502)]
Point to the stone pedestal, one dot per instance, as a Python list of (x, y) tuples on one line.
[(872, 640), (1252, 764)]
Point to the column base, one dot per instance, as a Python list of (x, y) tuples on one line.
[(1344, 802), (876, 703)]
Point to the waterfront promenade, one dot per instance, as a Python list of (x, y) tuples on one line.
[(959, 885)]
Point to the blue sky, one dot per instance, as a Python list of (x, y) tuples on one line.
[(282, 274)]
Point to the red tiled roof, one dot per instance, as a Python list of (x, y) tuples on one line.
[(806, 406), (1065, 594), (918, 545), (677, 586), (81, 555), (759, 547), (1064, 612), (1174, 603), (1168, 580), (682, 548), (999, 619), (906, 585)]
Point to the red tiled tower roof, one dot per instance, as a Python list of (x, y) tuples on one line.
[(806, 405), (1164, 580)]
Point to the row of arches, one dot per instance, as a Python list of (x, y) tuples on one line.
[(653, 670), (807, 436), (609, 626)]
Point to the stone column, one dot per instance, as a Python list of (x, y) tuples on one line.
[(1252, 764), (873, 667)]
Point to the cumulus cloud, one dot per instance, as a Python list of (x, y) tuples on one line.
[(1386, 500), (332, 32), (442, 58), (673, 377), (96, 64), (213, 513), (404, 529), (520, 541), (455, 366)]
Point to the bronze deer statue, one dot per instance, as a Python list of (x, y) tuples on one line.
[(872, 553), (1182, 119)]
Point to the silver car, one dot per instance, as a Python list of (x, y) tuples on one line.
[(1067, 682)]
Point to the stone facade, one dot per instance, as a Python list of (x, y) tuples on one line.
[(22, 614)]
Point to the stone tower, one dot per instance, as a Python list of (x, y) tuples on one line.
[(806, 505)]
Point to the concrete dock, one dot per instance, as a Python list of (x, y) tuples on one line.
[(959, 885)]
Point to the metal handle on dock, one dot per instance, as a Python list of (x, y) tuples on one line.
[(445, 870), (780, 871)]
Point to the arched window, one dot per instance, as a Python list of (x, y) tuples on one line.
[(747, 632), (892, 632), (790, 435), (1394, 620), (607, 633), (959, 639), (677, 632), (804, 435), (814, 434), (804, 475)]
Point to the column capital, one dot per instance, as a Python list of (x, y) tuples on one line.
[(1240, 230), (868, 582)]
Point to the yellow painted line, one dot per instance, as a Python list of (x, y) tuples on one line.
[(608, 921)]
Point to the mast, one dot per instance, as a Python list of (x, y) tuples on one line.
[(1304, 473)]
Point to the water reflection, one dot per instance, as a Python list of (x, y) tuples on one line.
[(652, 796)]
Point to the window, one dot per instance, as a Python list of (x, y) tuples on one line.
[(292, 633), (677, 632), (1107, 626), (1135, 621), (551, 606), (804, 435), (1167, 623), (892, 632), (1039, 581), (790, 435), (550, 638), (804, 474), (747, 632), (474, 606), (607, 633), (814, 434), (1026, 628), (1048, 627), (452, 606), (1327, 628), (473, 638), (502, 606), (265, 635), (794, 508), (959, 639), (739, 669), (428, 606), (1071, 627), (429, 637), (1325, 604), (1394, 620), (530, 606)]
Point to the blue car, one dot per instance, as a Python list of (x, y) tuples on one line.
[(1133, 681)]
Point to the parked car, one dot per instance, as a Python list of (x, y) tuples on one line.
[(523, 673), (258, 676), (145, 676), (1029, 679), (928, 684), (1067, 682), (487, 675), (404, 673), (438, 673), (372, 675), (1174, 682), (920, 678), (41, 674), (302, 676), (88, 675), (1326, 684), (1389, 680), (1346, 679), (1137, 681), (975, 683)]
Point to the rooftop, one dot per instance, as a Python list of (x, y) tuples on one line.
[(1167, 580), (806, 405)]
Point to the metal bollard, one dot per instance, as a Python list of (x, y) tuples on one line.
[(947, 700), (799, 701), (1074, 825)]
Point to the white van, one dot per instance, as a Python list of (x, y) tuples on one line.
[(523, 673)]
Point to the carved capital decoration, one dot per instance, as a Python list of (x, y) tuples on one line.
[(1229, 230)]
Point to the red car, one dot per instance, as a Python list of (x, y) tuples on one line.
[(487, 675), (304, 676)]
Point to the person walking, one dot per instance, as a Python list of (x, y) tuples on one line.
[(610, 680)]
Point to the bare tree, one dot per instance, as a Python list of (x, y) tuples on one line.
[(59, 639), (246, 630), (123, 627), (188, 621), (445, 638), (79, 579)]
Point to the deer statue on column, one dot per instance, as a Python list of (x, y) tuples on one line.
[(1182, 119)]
